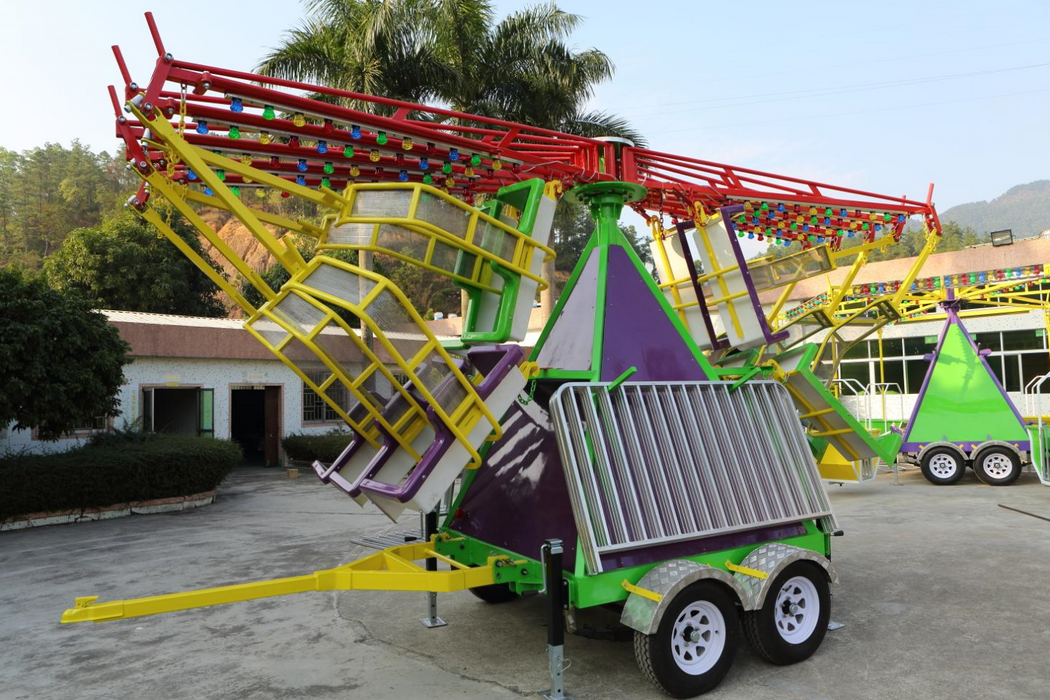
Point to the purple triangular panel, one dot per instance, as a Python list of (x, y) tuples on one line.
[(638, 332)]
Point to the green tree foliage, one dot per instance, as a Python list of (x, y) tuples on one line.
[(47, 192), (127, 264), (61, 364), (520, 68)]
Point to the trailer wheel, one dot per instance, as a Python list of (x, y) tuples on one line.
[(694, 646), (794, 619), (997, 466), (495, 593), (942, 466)]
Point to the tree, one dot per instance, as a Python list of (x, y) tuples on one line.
[(61, 363), (127, 264), (453, 51)]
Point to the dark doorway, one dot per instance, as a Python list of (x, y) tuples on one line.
[(255, 423)]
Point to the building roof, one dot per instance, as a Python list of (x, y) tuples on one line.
[(1031, 251)]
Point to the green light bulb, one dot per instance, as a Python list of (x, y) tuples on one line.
[(381, 138), (235, 132), (221, 174), (268, 113), (475, 160), (348, 152), (326, 182), (329, 168), (427, 178), (446, 168), (235, 190)]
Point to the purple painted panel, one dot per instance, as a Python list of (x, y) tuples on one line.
[(519, 497), (638, 333), (1023, 445), (676, 550)]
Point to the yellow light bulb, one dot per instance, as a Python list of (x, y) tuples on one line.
[(299, 120)]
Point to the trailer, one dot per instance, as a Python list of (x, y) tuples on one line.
[(638, 457)]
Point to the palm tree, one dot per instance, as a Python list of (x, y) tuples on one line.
[(452, 51)]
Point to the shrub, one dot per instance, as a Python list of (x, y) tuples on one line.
[(103, 475), (323, 448)]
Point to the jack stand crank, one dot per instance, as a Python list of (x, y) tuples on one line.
[(430, 521), (556, 602)]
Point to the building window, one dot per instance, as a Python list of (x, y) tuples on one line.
[(315, 409), (97, 424)]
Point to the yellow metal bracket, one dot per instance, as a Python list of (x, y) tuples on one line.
[(391, 569), (746, 571), (644, 592)]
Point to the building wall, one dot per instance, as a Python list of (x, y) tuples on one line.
[(215, 374)]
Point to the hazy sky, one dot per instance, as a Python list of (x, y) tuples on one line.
[(885, 96)]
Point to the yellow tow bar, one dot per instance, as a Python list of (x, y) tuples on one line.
[(392, 569)]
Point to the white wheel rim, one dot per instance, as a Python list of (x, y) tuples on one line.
[(943, 466), (698, 637), (997, 465), (797, 610)]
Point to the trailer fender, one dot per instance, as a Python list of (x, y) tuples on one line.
[(643, 614), (951, 445), (772, 559), (1012, 446)]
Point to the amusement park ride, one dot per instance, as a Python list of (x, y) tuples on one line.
[(656, 447)]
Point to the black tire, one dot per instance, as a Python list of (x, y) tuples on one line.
[(942, 466), (495, 594), (657, 654), (782, 638), (997, 466)]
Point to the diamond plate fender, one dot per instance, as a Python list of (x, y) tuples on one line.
[(773, 558), (668, 579)]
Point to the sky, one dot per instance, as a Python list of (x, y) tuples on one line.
[(886, 97)]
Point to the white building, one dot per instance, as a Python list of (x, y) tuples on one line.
[(202, 376)]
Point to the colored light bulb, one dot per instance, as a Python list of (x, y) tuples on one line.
[(235, 190), (264, 138), (475, 160), (207, 191), (234, 132), (329, 168), (221, 174), (300, 180), (301, 165), (497, 164), (285, 195), (293, 142), (275, 162), (236, 106), (246, 159), (348, 152), (381, 138), (373, 155), (453, 154), (329, 127), (399, 158), (406, 144), (326, 182), (468, 171), (446, 168), (355, 171), (355, 132), (427, 178), (424, 163), (190, 175), (247, 180), (299, 119), (780, 208), (765, 206), (268, 113), (322, 147), (450, 181), (202, 127), (260, 192), (402, 176)]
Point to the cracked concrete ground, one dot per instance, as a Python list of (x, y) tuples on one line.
[(942, 592)]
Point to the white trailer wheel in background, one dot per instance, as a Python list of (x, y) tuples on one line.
[(942, 466), (997, 466)]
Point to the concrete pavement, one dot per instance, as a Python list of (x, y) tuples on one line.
[(942, 592)]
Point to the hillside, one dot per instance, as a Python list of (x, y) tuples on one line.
[(1023, 208)]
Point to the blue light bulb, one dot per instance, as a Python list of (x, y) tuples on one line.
[(403, 176), (301, 165), (842, 213), (322, 147), (190, 175), (300, 180), (236, 106), (453, 154), (355, 132), (424, 163), (202, 127), (780, 208), (207, 191)]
